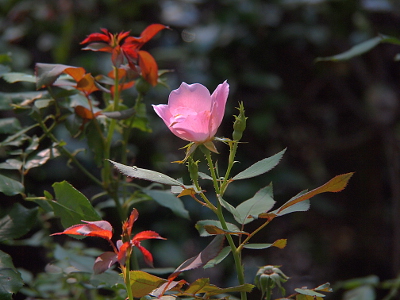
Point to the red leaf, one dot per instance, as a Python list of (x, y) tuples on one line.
[(150, 31), (104, 262), (210, 252), (87, 84), (149, 67), (75, 73), (148, 258), (127, 226), (101, 229), (102, 47), (146, 235), (122, 252), (83, 112), (96, 37), (336, 184)]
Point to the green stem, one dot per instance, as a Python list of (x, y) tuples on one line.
[(231, 161), (128, 275), (108, 183), (235, 252), (212, 169)]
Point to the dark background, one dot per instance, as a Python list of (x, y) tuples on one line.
[(333, 118)]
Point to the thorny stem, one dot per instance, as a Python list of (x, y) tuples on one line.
[(212, 168), (231, 161)]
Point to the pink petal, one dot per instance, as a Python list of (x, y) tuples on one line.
[(194, 96), (194, 128), (219, 97), (192, 113), (162, 110)]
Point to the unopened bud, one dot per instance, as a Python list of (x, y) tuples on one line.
[(268, 277), (240, 123), (142, 86), (193, 169)]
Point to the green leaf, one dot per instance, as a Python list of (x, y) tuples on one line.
[(220, 257), (326, 287), (145, 174), (261, 202), (365, 292), (107, 279), (47, 74), (120, 115), (141, 121), (229, 208), (9, 125), (360, 48), (10, 279), (143, 283), (7, 99), (43, 103), (205, 176), (281, 243), (71, 205), (11, 164), (17, 138), (309, 292), (17, 222), (203, 286), (213, 225), (10, 187), (13, 77), (300, 206), (247, 288), (167, 199), (41, 158), (260, 167), (353, 283)]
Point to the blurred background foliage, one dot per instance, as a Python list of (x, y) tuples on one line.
[(333, 117)]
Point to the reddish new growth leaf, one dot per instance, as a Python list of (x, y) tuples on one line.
[(135, 241), (145, 235), (85, 113), (128, 225), (104, 230), (122, 45), (336, 184), (84, 81), (101, 229)]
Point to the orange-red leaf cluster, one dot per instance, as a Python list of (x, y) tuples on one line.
[(122, 45), (104, 230)]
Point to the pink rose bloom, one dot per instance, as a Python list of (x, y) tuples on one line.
[(192, 113)]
